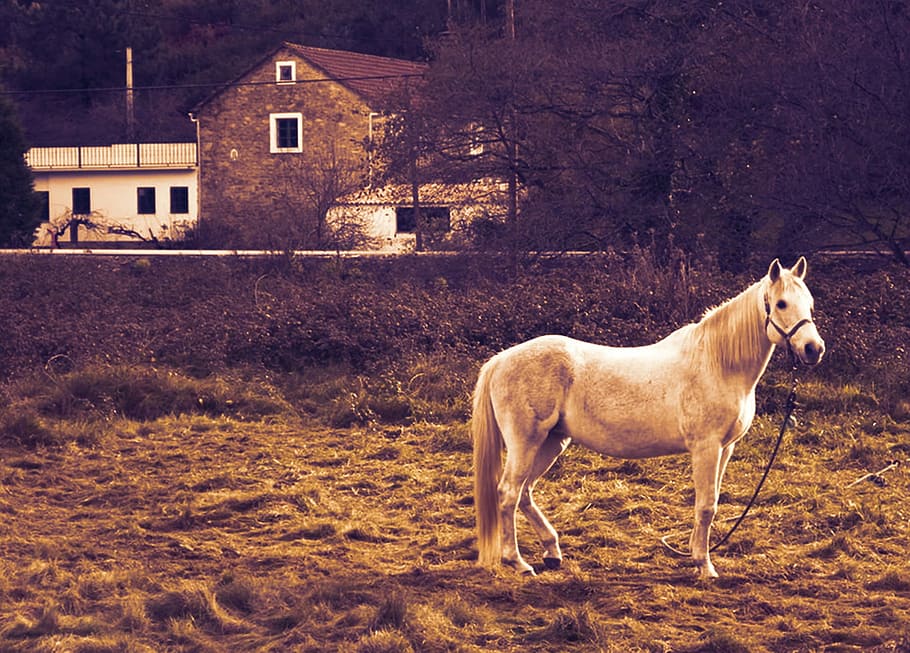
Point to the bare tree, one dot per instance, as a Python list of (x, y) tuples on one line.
[(100, 227), (305, 190), (748, 128), (849, 129)]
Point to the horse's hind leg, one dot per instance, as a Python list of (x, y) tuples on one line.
[(524, 439), (519, 461), (554, 445)]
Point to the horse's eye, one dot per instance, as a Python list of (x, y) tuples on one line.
[(781, 304)]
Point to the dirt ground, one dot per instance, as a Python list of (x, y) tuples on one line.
[(201, 534)]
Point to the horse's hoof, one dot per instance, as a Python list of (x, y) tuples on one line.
[(522, 568), (552, 563), (707, 573)]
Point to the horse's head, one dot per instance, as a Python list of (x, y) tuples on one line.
[(788, 312)]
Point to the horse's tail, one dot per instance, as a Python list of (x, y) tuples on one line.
[(487, 469)]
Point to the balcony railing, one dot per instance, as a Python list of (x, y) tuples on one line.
[(123, 155)]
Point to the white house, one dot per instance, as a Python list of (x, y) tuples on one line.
[(292, 111), (122, 192), (386, 215)]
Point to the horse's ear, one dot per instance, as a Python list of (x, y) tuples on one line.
[(774, 270), (801, 267)]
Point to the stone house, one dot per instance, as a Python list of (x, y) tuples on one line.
[(287, 138)]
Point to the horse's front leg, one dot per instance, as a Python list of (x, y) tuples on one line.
[(725, 455), (706, 464)]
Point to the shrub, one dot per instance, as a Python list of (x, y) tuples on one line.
[(104, 332), (21, 426), (146, 393)]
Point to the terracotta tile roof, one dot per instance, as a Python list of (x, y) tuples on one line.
[(368, 75), (477, 192)]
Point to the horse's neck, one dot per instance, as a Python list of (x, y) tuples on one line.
[(734, 337)]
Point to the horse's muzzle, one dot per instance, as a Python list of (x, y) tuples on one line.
[(813, 352)]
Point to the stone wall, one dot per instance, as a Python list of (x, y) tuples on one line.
[(244, 187)]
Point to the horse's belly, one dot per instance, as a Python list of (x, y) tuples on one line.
[(645, 419), (628, 436)]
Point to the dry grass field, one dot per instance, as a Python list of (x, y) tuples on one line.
[(160, 498), (212, 534)]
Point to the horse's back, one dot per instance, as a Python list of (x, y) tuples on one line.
[(568, 360)]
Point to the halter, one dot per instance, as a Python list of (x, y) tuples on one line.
[(785, 334)]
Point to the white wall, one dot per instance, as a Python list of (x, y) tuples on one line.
[(374, 208), (379, 223), (114, 200)]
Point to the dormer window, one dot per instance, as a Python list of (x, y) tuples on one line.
[(286, 72)]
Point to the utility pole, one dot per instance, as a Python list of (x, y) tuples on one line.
[(130, 111), (512, 151), (411, 122)]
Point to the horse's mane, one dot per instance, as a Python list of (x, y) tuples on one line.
[(732, 333)]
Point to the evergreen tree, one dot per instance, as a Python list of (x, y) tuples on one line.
[(19, 207)]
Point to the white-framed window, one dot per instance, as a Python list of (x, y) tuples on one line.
[(285, 133), (285, 72)]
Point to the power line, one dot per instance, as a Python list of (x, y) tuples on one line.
[(163, 87)]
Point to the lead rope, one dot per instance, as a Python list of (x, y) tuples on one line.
[(788, 412)]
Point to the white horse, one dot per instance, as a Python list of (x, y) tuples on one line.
[(693, 391)]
